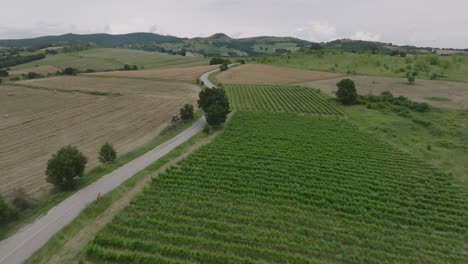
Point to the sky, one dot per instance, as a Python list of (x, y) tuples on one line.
[(404, 22)]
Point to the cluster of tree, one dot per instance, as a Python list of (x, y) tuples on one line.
[(32, 75), (69, 49), (10, 61), (397, 53), (215, 104), (70, 71), (68, 165), (397, 104), (215, 61), (128, 67), (50, 52)]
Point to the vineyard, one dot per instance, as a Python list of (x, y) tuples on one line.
[(288, 188), (270, 98)]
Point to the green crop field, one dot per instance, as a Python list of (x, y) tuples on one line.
[(272, 98), (452, 68), (100, 59), (291, 188)]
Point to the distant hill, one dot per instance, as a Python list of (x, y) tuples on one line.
[(218, 44), (93, 39)]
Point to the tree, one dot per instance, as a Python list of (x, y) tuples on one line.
[(216, 115), (70, 71), (107, 153), (186, 112), (65, 166), (215, 104), (127, 67), (346, 93), (134, 68)]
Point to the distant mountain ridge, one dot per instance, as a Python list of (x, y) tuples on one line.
[(218, 44)]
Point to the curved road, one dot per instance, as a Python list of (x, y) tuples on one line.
[(20, 246)]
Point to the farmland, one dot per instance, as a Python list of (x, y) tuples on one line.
[(266, 74), (451, 68), (256, 195), (437, 93), (101, 59), (278, 99), (41, 121), (173, 74)]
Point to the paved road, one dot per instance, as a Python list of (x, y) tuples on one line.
[(204, 78), (20, 246)]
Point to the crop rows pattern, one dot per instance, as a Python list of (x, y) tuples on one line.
[(286, 188), (271, 98)]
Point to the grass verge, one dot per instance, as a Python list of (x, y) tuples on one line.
[(44, 204)]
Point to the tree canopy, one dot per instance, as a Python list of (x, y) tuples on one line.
[(65, 166), (346, 93)]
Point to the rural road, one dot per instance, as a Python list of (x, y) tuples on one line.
[(21, 245)]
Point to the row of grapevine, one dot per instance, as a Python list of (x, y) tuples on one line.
[(288, 188), (271, 98)]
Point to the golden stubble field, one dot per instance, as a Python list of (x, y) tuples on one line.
[(267, 74), (179, 74), (437, 93), (36, 123)]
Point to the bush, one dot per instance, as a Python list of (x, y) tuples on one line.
[(223, 67), (7, 212), (21, 200), (186, 112), (70, 71), (3, 73), (107, 153), (346, 93), (65, 166), (32, 75)]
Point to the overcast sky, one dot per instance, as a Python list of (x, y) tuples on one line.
[(414, 22)]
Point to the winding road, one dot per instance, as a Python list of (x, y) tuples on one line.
[(21, 245)]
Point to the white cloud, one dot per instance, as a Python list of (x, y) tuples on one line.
[(367, 36), (316, 31)]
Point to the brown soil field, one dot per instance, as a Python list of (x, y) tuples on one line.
[(39, 122), (39, 69), (437, 93), (179, 74), (267, 74)]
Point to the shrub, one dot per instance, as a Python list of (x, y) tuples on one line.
[(21, 200), (346, 93), (7, 212), (223, 67), (186, 112), (65, 166), (70, 71), (107, 153), (3, 73)]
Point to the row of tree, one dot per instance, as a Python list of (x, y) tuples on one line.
[(16, 60)]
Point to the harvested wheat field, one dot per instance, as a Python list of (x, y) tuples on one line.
[(178, 74), (437, 93), (36, 123), (267, 74), (45, 69)]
